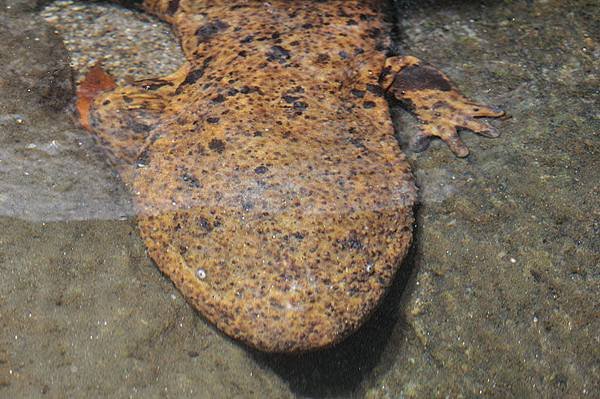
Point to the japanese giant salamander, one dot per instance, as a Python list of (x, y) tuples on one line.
[(266, 178)]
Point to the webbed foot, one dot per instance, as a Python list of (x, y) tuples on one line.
[(437, 104)]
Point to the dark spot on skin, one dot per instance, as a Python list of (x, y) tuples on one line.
[(351, 22), (366, 17), (243, 53), (204, 224), (247, 206), (218, 99), (213, 120), (357, 93), (351, 242), (368, 104), (279, 54), (275, 35), (359, 51), (300, 105), (261, 170), (247, 39), (258, 134), (246, 90), (299, 236), (343, 55), (420, 77), (194, 75), (307, 26), (191, 180), (289, 99), (375, 89), (374, 32), (105, 102), (173, 7), (217, 145), (232, 92), (323, 58), (208, 31), (127, 99)]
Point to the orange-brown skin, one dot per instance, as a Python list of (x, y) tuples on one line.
[(266, 177)]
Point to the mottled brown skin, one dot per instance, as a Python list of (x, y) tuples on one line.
[(267, 180)]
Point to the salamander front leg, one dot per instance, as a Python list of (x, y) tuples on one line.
[(122, 117), (437, 104)]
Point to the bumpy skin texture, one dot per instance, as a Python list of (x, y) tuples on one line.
[(267, 180)]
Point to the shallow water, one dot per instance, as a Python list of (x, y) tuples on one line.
[(499, 296)]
